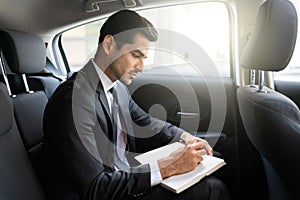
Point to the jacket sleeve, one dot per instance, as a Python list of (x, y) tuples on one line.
[(69, 127)]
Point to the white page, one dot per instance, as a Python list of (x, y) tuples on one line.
[(158, 153)]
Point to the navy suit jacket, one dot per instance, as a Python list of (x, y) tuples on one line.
[(79, 132)]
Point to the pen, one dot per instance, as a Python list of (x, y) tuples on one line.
[(182, 141)]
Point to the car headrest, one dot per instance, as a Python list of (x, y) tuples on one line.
[(6, 114), (25, 53), (272, 42)]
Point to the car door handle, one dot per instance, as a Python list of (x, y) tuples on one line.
[(187, 114)]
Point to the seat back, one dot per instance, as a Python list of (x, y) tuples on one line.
[(271, 120), (18, 179), (25, 55), (272, 123)]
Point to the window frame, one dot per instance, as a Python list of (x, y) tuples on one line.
[(61, 58)]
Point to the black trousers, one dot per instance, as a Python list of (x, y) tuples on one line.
[(209, 188)]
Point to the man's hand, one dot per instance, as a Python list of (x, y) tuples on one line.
[(190, 139), (182, 160)]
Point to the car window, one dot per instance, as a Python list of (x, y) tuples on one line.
[(80, 44), (202, 28), (292, 71)]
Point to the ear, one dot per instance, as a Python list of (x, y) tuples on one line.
[(108, 44)]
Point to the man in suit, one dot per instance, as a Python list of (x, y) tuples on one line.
[(88, 124)]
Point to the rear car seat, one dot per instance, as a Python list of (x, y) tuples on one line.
[(25, 56), (18, 179)]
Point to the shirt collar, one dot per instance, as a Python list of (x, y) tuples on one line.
[(106, 82)]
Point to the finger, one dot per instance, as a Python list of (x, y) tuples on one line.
[(200, 158), (197, 145), (208, 148), (196, 139), (211, 152), (202, 152)]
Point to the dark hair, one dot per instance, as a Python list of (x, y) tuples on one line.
[(127, 20)]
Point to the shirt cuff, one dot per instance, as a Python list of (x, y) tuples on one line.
[(155, 174)]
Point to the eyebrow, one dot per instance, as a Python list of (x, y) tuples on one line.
[(139, 52)]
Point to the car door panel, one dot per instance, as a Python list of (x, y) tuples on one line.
[(187, 102)]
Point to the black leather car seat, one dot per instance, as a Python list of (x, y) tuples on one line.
[(272, 120), (25, 55), (18, 178)]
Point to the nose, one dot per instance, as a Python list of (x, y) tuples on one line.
[(140, 65)]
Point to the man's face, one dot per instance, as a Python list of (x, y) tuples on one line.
[(130, 59)]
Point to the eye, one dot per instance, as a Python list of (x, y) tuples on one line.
[(135, 55)]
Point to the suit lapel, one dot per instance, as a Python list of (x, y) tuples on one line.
[(102, 99), (105, 115), (101, 104)]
